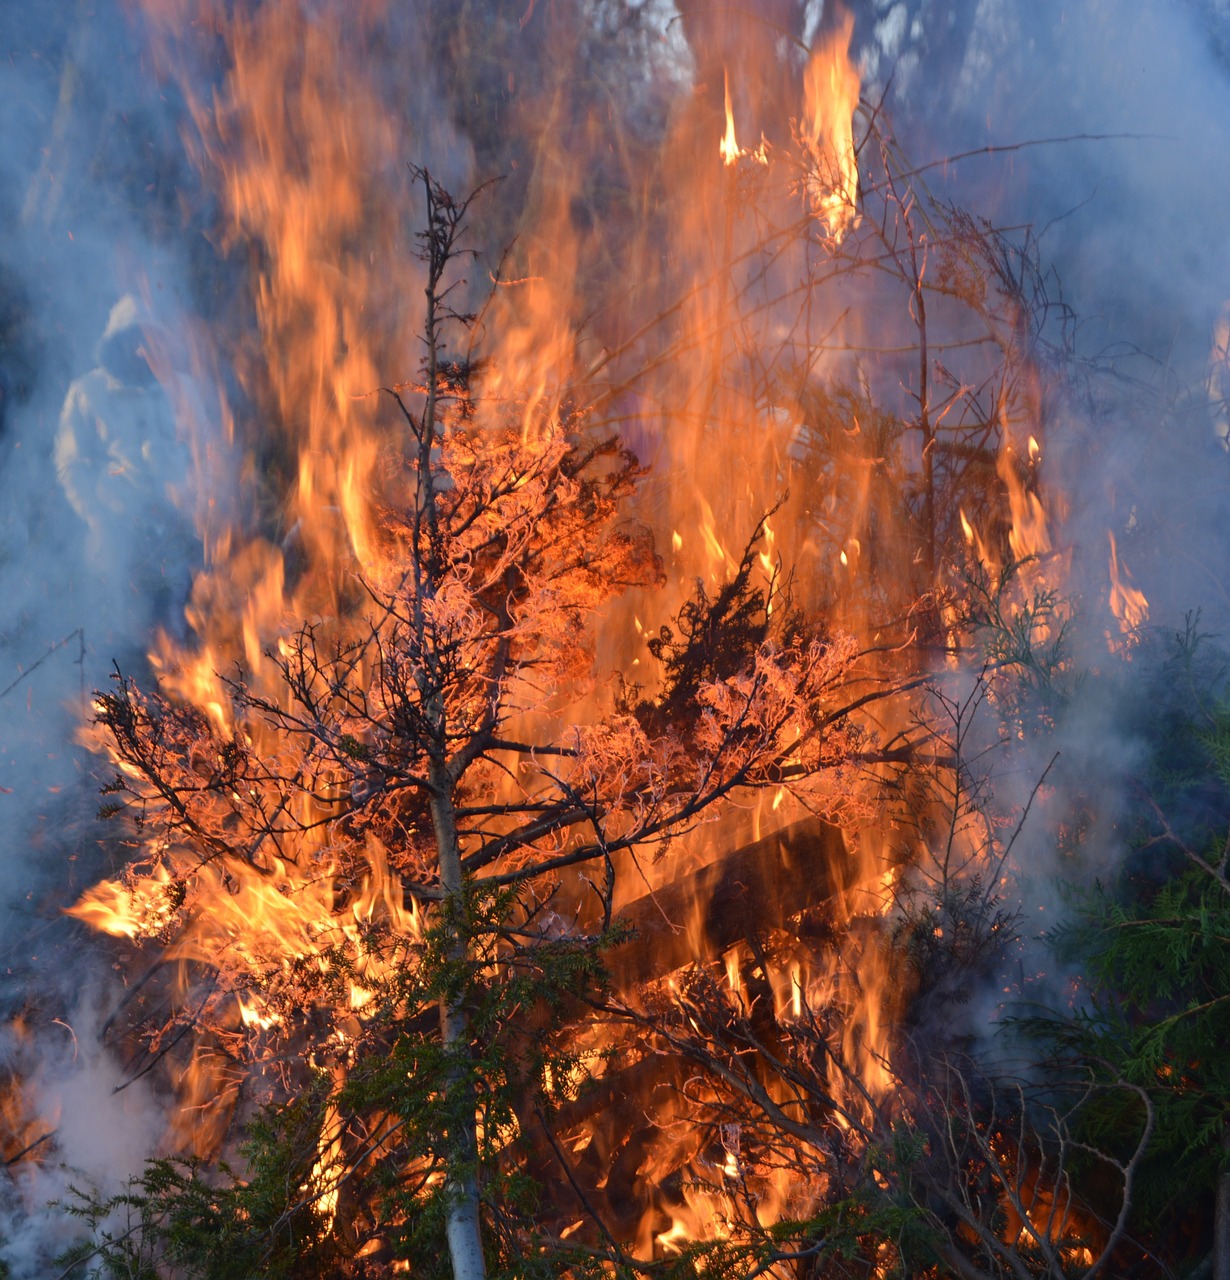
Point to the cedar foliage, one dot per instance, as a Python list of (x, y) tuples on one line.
[(1153, 945)]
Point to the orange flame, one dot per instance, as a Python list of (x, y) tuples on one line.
[(729, 146), (300, 196), (1029, 535), (831, 87), (1127, 602)]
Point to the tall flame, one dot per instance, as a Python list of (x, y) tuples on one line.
[(1127, 601), (831, 85), (306, 162), (729, 146)]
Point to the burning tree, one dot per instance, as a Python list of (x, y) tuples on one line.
[(395, 850), (390, 867)]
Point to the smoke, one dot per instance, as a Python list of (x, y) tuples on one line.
[(101, 207), (1128, 190), (116, 472), (1105, 131), (84, 135), (97, 485), (1113, 128), (102, 1126)]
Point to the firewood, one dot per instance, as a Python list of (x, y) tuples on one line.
[(757, 887)]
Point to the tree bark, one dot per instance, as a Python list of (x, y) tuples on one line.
[(1221, 1216), (465, 1244)]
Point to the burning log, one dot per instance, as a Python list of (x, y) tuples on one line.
[(595, 1150), (756, 887)]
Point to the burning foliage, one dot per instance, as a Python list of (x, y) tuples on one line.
[(419, 812), (569, 841)]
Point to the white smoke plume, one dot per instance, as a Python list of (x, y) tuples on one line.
[(99, 475)]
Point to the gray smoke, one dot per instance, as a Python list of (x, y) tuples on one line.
[(96, 547), (99, 210), (1115, 124)]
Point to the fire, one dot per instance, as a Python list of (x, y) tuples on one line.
[(1029, 535), (295, 149), (142, 910), (831, 86), (253, 925), (23, 1132), (1032, 574), (721, 562), (729, 146), (297, 152), (1127, 602)]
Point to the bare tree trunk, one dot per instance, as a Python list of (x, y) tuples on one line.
[(1221, 1216), (465, 1244), (462, 1228)]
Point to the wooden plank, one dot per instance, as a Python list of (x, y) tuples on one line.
[(757, 887)]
